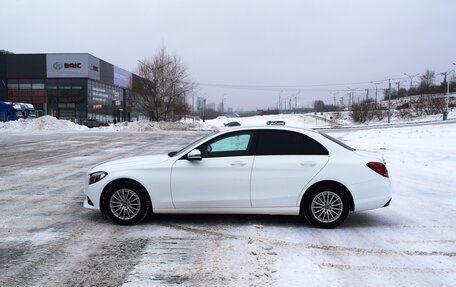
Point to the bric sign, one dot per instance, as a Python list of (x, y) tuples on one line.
[(59, 66), (72, 66)]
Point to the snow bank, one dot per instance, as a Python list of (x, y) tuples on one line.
[(295, 120), (145, 126), (343, 118), (46, 123)]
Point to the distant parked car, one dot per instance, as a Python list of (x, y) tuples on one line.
[(93, 123), (268, 170), (275, 123), (232, 124)]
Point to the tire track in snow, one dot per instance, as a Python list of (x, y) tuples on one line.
[(385, 268), (334, 248)]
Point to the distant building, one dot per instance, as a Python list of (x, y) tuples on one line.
[(73, 86), (210, 106), (200, 104)]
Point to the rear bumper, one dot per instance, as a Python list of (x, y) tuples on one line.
[(372, 194)]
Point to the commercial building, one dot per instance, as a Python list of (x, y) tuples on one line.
[(74, 86)]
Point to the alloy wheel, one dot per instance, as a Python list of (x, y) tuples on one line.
[(125, 204), (327, 206)]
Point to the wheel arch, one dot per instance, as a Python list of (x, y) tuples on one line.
[(125, 181), (328, 182)]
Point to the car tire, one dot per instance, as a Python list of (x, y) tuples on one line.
[(326, 206), (126, 203)]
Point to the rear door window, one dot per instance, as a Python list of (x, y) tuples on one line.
[(276, 142)]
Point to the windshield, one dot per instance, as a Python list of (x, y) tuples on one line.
[(337, 141), (178, 153)]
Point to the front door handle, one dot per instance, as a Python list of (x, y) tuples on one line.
[(238, 163)]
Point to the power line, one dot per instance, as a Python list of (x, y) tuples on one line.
[(303, 87)]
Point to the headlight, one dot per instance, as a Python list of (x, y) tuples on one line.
[(97, 176)]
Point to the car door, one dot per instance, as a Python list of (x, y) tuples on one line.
[(285, 161), (221, 179)]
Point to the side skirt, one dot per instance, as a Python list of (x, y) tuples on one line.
[(269, 211)]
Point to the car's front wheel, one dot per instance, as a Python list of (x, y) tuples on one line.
[(326, 206), (126, 203)]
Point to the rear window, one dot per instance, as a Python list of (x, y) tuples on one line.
[(337, 141)]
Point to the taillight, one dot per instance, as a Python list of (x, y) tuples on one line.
[(378, 167)]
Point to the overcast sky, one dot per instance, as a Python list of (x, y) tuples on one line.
[(253, 43)]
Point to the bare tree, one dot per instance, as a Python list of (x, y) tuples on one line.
[(319, 106), (366, 111), (163, 86), (427, 79)]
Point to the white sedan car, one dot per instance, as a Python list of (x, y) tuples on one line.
[(245, 170)]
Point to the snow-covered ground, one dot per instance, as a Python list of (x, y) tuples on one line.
[(309, 120), (47, 238)]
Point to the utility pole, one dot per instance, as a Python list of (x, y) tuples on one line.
[(376, 93), (389, 101), (193, 108), (367, 94), (334, 98), (204, 110), (280, 101), (351, 97), (279, 105), (445, 112)]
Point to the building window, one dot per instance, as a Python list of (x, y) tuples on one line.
[(13, 84), (25, 84)]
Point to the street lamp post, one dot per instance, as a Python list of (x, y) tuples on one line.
[(376, 88), (411, 78), (411, 84)]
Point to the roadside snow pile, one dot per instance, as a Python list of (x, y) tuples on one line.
[(343, 118), (295, 120), (39, 124), (146, 126)]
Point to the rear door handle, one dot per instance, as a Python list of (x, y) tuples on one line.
[(308, 163)]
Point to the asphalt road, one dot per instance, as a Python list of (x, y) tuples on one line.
[(48, 239)]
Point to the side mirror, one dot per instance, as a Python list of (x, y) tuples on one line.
[(194, 155)]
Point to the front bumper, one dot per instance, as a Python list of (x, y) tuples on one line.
[(92, 194)]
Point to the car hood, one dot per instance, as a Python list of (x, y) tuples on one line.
[(371, 154), (131, 162)]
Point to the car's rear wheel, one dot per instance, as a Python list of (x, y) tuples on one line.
[(126, 203), (326, 206)]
